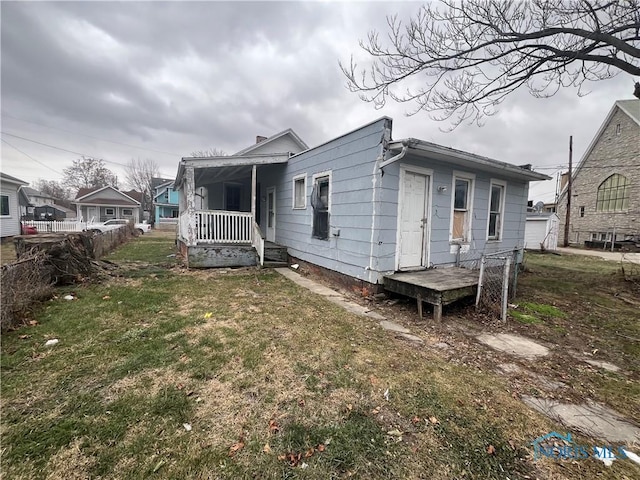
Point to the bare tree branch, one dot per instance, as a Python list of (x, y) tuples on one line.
[(138, 175), (470, 54)]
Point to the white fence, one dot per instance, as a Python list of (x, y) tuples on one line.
[(56, 226)]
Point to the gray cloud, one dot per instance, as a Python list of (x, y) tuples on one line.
[(178, 77)]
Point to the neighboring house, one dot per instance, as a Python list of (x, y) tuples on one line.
[(362, 204), (102, 204), (9, 205), (165, 204), (541, 231), (37, 198), (605, 196)]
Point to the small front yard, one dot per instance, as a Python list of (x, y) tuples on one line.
[(166, 373)]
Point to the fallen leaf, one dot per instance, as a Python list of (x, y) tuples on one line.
[(267, 448), (180, 386), (107, 297), (415, 420), (374, 381), (33, 322), (395, 432), (491, 450), (235, 448), (434, 420), (273, 426), (309, 453), (282, 457), (376, 410), (24, 337), (187, 427), (321, 447), (512, 444), (349, 407)]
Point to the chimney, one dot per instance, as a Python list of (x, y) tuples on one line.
[(563, 180), (260, 138)]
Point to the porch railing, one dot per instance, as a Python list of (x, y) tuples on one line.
[(219, 226)]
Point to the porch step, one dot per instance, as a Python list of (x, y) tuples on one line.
[(272, 264), (275, 253)]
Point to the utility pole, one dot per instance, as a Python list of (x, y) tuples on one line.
[(567, 219)]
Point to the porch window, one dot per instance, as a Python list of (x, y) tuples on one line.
[(496, 210), (232, 197), (320, 201), (461, 209), (110, 212), (127, 212), (4, 206), (300, 192)]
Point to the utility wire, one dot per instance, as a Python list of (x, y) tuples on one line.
[(91, 136), (62, 149), (29, 156)]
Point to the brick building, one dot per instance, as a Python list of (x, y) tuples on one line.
[(605, 198)]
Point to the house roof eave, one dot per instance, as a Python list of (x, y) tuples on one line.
[(465, 159)]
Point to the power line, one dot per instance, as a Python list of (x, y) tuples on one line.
[(60, 148), (91, 136), (29, 156)]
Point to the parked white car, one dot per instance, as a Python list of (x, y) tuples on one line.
[(114, 223)]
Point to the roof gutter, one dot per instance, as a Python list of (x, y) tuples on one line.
[(403, 152)]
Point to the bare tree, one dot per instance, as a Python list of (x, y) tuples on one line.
[(87, 172), (211, 152), (53, 188), (138, 175), (466, 56)]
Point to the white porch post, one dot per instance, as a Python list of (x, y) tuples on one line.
[(253, 193), (189, 192)]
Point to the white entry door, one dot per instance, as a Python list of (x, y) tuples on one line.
[(413, 220), (92, 214), (271, 214)]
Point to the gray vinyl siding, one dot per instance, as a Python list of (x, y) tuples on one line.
[(440, 245), (367, 217), (350, 160)]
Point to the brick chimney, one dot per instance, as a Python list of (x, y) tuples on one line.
[(260, 138)]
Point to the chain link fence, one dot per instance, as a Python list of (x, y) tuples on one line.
[(630, 263), (498, 279)]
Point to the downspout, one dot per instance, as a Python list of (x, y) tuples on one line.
[(399, 156), (377, 183)]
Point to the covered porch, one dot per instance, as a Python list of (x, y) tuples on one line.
[(220, 209)]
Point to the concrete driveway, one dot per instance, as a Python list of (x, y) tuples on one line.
[(612, 256)]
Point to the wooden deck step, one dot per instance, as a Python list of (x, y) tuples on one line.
[(438, 287), (275, 253)]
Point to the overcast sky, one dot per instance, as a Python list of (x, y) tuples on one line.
[(159, 80)]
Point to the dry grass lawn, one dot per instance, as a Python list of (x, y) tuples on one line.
[(167, 373)]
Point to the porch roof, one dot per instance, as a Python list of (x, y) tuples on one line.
[(422, 148), (233, 161)]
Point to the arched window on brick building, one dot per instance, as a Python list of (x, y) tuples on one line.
[(613, 194)]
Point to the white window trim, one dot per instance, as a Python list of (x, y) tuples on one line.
[(8, 206), (113, 211), (314, 177), (503, 198), (472, 181), (303, 177)]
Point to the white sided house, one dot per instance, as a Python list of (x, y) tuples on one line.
[(9, 205), (361, 205)]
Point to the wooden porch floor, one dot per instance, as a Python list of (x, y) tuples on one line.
[(438, 287)]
